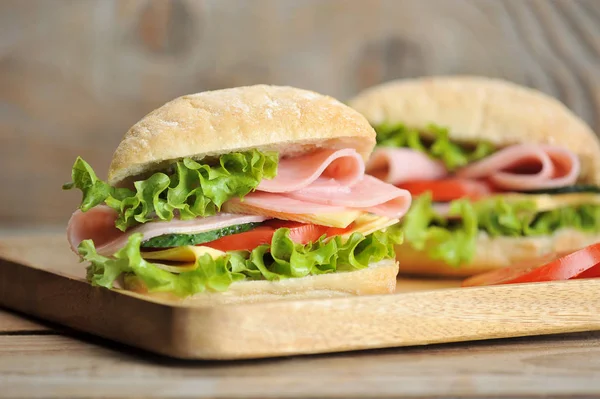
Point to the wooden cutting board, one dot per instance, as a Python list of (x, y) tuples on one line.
[(41, 277)]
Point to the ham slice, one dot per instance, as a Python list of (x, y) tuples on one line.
[(400, 165), (369, 194), (516, 168), (98, 224), (441, 208), (344, 166), (282, 203), (526, 167), (327, 181), (327, 196)]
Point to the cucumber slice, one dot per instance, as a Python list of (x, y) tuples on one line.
[(179, 240), (580, 188)]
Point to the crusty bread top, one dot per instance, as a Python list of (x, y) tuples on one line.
[(283, 119), (477, 108)]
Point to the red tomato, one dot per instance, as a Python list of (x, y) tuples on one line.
[(307, 233), (302, 233), (243, 241), (584, 263), (299, 232), (450, 189), (338, 231)]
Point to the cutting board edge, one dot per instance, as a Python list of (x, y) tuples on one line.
[(213, 332)]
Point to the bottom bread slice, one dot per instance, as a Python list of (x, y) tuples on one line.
[(378, 278)]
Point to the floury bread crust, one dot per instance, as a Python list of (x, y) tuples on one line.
[(495, 253), (283, 119), (378, 278), (476, 108)]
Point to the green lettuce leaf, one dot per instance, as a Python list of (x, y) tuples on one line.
[(437, 147), (585, 218), (425, 230), (95, 191), (281, 260), (499, 217), (192, 189), (103, 271), (453, 240)]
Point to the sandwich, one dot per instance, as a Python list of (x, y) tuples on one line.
[(499, 173), (242, 194)]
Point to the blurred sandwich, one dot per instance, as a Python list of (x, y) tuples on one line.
[(241, 194), (499, 173)]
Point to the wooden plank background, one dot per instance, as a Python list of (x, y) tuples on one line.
[(42, 362), (75, 74), (36, 361)]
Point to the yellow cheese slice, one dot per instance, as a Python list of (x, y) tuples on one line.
[(338, 219), (369, 223), (187, 255)]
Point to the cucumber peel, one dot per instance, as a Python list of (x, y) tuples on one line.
[(578, 188), (179, 240)]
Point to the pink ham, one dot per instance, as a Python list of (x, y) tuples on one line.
[(327, 181), (344, 166), (441, 208), (98, 224), (526, 167), (282, 203), (327, 196), (400, 165), (369, 194)]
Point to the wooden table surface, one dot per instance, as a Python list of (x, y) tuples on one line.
[(76, 75), (40, 360)]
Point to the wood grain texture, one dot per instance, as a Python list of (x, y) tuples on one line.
[(75, 75), (68, 367), (48, 283), (12, 323)]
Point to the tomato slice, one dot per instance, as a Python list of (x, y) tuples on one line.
[(450, 189), (592, 272), (302, 233), (247, 240), (338, 231), (584, 263), (307, 233)]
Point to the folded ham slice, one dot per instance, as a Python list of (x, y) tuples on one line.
[(526, 167), (516, 168), (328, 181), (344, 166), (98, 224), (400, 165), (282, 203), (369, 194)]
